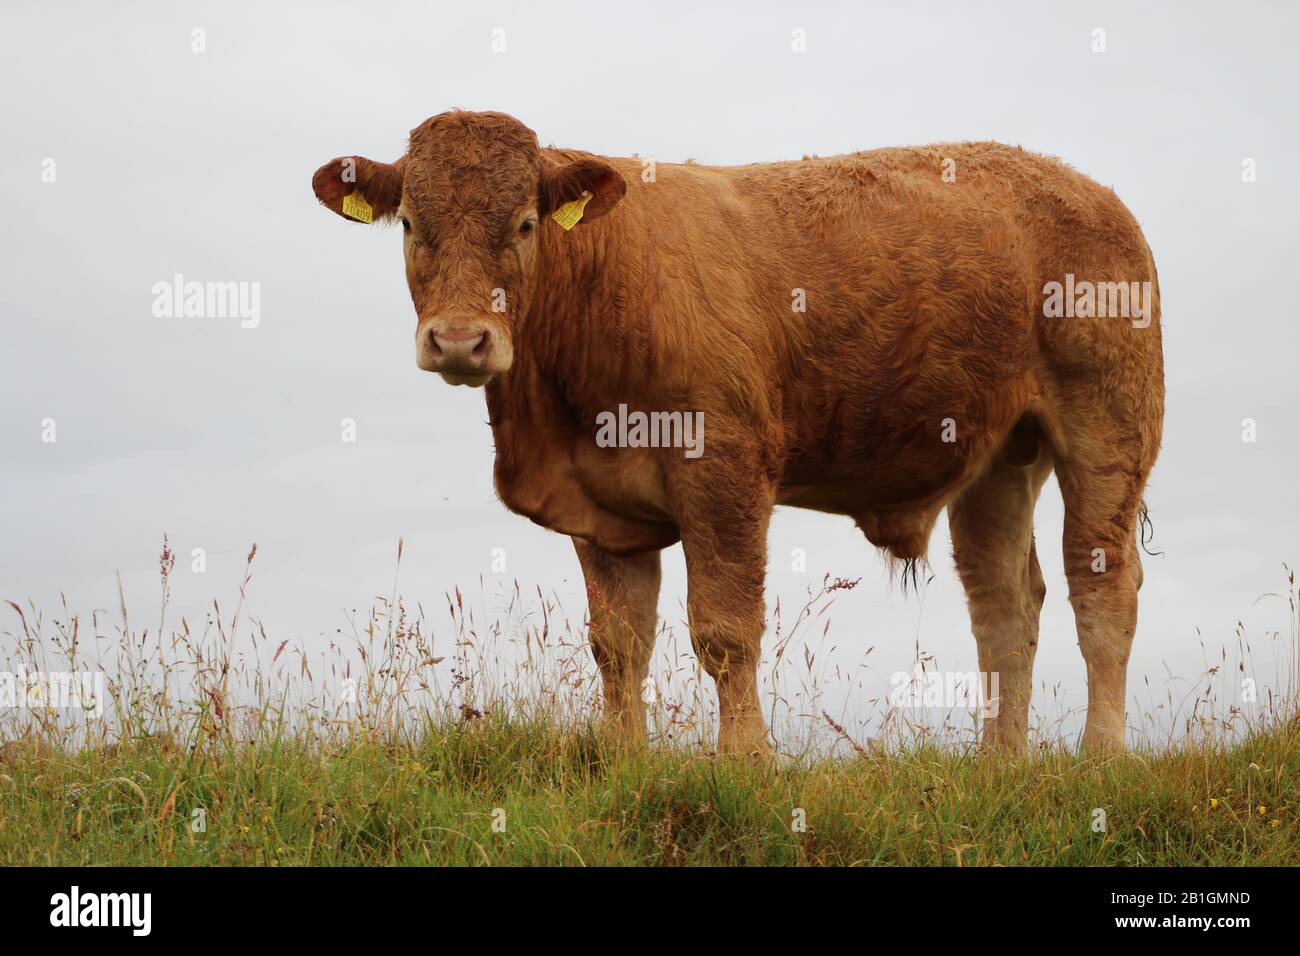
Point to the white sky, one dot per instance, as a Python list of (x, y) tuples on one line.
[(170, 161)]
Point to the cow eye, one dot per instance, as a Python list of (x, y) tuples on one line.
[(406, 224), (525, 227)]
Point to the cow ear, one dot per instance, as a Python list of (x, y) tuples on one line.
[(567, 182), (359, 189)]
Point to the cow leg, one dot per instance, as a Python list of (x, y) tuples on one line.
[(1102, 500), (726, 555), (992, 524), (622, 605)]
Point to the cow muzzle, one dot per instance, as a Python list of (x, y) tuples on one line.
[(467, 354)]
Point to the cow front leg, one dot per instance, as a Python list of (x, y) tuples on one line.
[(726, 552), (622, 609)]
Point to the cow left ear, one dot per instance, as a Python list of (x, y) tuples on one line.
[(567, 182)]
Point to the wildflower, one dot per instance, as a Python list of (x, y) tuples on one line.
[(1262, 809), (1275, 823), (1213, 803)]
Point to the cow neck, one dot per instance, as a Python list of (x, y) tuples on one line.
[(570, 352), (577, 331), (573, 357)]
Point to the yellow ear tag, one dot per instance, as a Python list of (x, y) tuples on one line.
[(569, 214), (356, 207)]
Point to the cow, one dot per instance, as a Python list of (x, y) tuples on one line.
[(878, 335)]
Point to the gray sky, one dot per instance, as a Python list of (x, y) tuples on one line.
[(171, 161)]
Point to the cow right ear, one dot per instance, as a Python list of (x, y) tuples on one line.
[(359, 189)]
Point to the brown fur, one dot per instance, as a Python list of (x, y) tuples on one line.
[(924, 303)]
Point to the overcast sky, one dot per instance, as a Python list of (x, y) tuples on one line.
[(167, 160)]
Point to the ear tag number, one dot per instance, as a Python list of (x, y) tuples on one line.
[(569, 214), (356, 207)]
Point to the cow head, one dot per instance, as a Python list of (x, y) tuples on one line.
[(472, 194)]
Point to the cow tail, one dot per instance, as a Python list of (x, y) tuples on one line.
[(1146, 530)]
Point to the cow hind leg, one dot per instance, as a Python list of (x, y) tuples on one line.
[(1102, 503), (992, 526), (1105, 407)]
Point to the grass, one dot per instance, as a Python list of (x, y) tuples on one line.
[(484, 791), (222, 747)]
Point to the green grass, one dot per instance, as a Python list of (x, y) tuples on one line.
[(401, 743), (569, 799)]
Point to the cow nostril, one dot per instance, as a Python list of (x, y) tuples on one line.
[(481, 346), (431, 340)]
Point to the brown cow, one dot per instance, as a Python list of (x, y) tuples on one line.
[(879, 335)]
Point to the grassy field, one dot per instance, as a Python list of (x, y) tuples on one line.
[(486, 792), (221, 746)]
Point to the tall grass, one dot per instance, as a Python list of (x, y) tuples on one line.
[(219, 744)]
